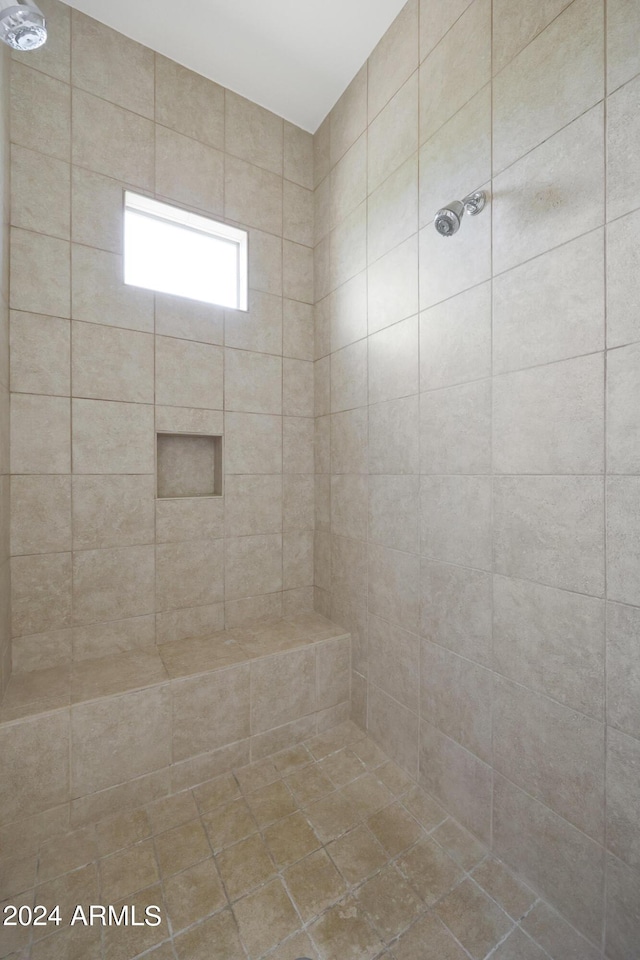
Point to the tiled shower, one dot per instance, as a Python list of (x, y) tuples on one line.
[(374, 692)]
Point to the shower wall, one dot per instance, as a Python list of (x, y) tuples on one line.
[(478, 428), (98, 565), (5, 634)]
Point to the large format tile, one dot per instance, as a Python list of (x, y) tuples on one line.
[(552, 81)]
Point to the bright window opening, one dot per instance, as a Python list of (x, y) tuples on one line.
[(174, 251)]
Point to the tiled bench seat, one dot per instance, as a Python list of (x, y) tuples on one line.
[(83, 740)]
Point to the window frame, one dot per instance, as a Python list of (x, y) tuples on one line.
[(172, 214)]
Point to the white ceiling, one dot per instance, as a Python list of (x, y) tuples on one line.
[(294, 57)]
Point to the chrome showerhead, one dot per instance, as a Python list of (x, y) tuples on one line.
[(22, 25), (448, 219)]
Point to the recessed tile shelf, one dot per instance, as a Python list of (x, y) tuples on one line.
[(189, 465)]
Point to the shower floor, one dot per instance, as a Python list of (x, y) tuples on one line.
[(327, 851)]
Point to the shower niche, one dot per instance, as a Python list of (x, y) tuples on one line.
[(188, 465)]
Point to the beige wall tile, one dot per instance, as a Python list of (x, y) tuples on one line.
[(40, 593), (455, 426), (566, 200), (99, 295), (189, 319), (436, 20), (394, 582), (456, 69), (40, 434), (394, 727), (393, 361), (556, 935), (456, 520), (112, 141), (111, 364), (297, 444), (535, 519), (190, 519), (189, 420), (539, 844), (40, 354), (550, 641), (348, 566), (622, 139), (623, 793), (97, 640), (394, 59), (297, 214), (394, 435), (298, 155), (111, 66), (550, 419), (392, 210), (513, 30), (188, 374), (344, 190), (40, 193), (261, 327), (623, 673), (253, 195), (393, 286), (112, 511), (253, 566), (393, 511), (455, 340), (189, 172), (253, 133), (623, 523), (295, 674), (189, 622), (297, 330), (265, 262), (457, 778), (112, 437), (138, 727), (297, 559), (349, 441), (623, 423), (393, 135), (189, 574), (553, 753), (456, 609), (297, 272), (394, 662), (253, 382), (347, 315), (333, 665), (189, 103), (551, 308), (112, 584), (297, 388), (457, 158), (622, 917), (349, 377), (44, 650), (40, 112), (223, 697), (36, 777), (253, 505), (348, 248), (47, 289), (253, 443), (96, 210), (40, 515), (298, 502), (347, 120), (550, 83), (622, 274), (456, 696), (623, 26)]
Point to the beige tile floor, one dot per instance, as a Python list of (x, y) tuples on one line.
[(327, 851)]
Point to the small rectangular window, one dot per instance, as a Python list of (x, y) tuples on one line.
[(185, 254)]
